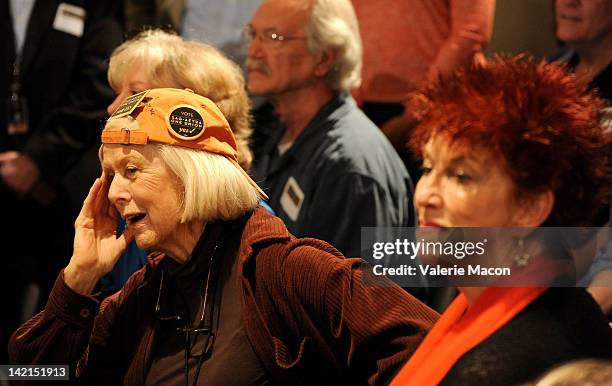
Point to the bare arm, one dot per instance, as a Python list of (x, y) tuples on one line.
[(471, 29)]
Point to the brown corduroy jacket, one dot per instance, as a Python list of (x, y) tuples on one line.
[(311, 316)]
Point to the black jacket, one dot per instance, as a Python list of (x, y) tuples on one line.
[(563, 324), (63, 79)]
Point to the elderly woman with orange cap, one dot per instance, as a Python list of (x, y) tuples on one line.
[(227, 283), (156, 58)]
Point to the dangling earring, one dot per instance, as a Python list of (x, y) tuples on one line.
[(521, 256)]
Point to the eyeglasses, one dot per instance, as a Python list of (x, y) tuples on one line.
[(268, 37)]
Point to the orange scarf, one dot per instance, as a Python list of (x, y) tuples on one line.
[(459, 329)]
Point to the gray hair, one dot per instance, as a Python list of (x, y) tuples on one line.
[(214, 188), (333, 25)]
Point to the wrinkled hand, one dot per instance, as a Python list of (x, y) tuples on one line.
[(18, 171), (96, 245)]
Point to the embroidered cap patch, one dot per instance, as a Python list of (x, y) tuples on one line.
[(185, 122)]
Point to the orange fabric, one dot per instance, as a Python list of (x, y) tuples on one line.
[(406, 42), (459, 329), (125, 137)]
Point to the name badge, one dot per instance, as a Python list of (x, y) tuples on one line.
[(70, 19), (292, 198)]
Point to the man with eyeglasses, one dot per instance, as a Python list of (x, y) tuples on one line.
[(328, 169)]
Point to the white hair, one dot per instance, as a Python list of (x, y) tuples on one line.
[(333, 25), (214, 188)]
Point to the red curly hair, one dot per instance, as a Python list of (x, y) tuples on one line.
[(538, 117)]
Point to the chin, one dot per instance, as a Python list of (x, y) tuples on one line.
[(568, 35), (259, 84), (145, 242)]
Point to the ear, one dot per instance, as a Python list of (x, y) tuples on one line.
[(326, 63), (534, 209)]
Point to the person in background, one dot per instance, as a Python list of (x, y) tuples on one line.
[(155, 58), (53, 91), (328, 168), (490, 141), (406, 45), (585, 26), (227, 283)]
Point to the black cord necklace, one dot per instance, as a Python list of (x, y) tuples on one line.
[(204, 325)]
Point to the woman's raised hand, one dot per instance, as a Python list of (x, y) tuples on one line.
[(96, 245)]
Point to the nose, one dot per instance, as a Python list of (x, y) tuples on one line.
[(254, 49), (427, 193), (118, 194), (113, 106)]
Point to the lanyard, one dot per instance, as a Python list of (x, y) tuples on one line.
[(204, 325)]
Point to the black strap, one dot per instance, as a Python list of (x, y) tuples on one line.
[(213, 294)]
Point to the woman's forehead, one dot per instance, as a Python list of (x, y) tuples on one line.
[(446, 147), (444, 142), (113, 154)]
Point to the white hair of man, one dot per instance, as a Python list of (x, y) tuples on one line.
[(333, 25)]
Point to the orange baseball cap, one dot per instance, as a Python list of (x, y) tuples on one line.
[(179, 118)]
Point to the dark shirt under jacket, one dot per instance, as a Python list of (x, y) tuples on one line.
[(347, 175), (186, 285)]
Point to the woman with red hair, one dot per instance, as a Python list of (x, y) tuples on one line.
[(511, 143)]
